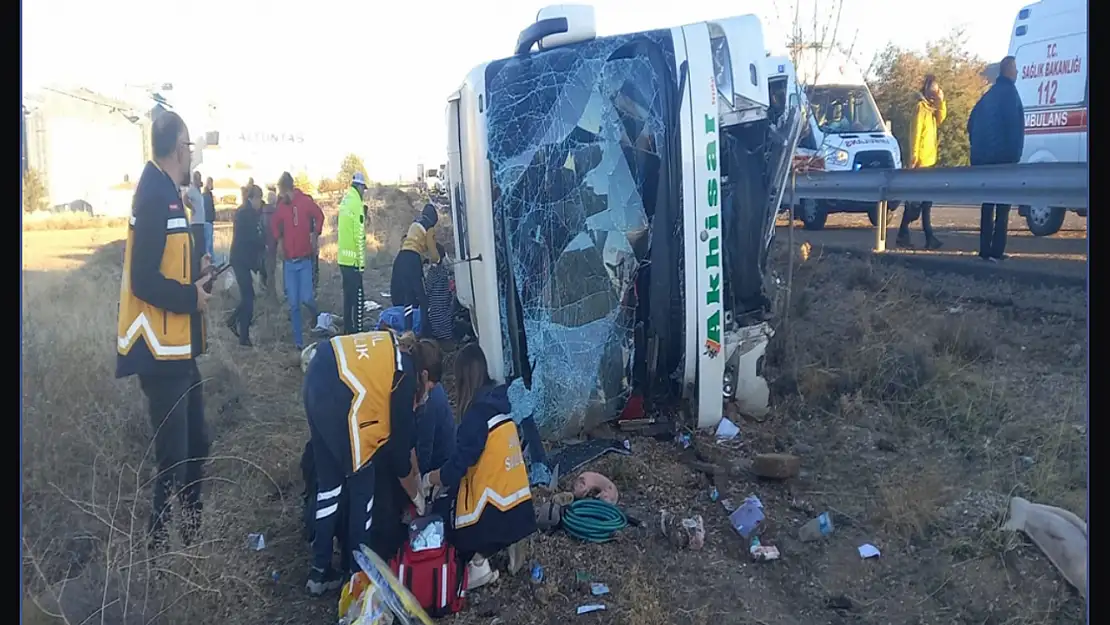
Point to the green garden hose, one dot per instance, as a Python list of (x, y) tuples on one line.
[(593, 520)]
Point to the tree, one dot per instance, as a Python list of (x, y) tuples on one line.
[(898, 75), (35, 196), (326, 185), (302, 182), (347, 169)]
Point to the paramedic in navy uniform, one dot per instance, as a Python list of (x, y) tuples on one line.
[(486, 478), (360, 393)]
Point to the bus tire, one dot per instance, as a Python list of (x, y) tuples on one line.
[(1044, 221)]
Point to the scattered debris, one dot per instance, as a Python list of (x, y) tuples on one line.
[(867, 550), (275, 576), (727, 430), (537, 573), (761, 552), (776, 466), (839, 602), (748, 519), (714, 494), (688, 533), (598, 589), (586, 609), (548, 515), (816, 528), (683, 439), (370, 305), (386, 295), (256, 542), (885, 444), (1061, 535), (572, 457), (727, 505), (590, 485)]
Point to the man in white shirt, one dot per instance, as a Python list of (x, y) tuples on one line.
[(194, 199)]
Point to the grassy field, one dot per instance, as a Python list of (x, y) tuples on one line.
[(918, 403)]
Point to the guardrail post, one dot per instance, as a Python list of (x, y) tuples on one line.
[(880, 226)]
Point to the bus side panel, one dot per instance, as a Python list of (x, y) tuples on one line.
[(690, 254), (475, 223), (705, 270)]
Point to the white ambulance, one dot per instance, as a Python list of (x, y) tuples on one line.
[(842, 129), (1049, 42)]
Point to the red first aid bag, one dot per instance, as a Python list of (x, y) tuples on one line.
[(434, 575)]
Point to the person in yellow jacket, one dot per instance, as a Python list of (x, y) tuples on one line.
[(406, 285), (931, 111), (163, 293), (489, 504), (352, 252), (360, 394)]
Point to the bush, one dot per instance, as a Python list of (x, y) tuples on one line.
[(35, 197)]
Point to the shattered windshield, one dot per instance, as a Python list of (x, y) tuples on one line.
[(574, 136), (844, 108)]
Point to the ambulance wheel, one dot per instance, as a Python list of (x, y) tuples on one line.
[(813, 214), (1044, 221)]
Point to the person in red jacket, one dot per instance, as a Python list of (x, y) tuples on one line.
[(296, 224)]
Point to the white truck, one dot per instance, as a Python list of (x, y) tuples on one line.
[(613, 201), (842, 129), (1049, 43)]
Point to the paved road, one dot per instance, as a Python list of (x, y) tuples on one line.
[(1063, 254)]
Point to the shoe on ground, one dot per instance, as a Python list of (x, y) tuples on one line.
[(232, 324), (480, 573), (245, 342), (322, 581), (903, 242), (934, 244), (1002, 257)]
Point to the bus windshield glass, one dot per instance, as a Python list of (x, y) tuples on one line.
[(575, 153)]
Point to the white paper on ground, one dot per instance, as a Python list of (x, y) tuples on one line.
[(867, 550), (727, 430)]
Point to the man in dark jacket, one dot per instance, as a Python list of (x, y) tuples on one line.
[(246, 252), (160, 330), (209, 218), (996, 130)]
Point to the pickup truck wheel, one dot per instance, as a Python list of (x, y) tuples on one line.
[(873, 214), (1044, 221), (813, 214)]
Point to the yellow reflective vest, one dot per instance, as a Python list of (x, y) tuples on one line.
[(499, 478), (367, 363), (146, 333)]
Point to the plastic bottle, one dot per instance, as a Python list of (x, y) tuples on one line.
[(816, 528)]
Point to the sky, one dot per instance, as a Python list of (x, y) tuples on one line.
[(373, 78)]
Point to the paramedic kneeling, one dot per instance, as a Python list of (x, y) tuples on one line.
[(486, 479), (359, 394)]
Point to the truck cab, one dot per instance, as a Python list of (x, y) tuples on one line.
[(842, 129), (613, 201), (1049, 43)]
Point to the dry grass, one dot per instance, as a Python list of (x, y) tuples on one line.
[(918, 403), (69, 221)]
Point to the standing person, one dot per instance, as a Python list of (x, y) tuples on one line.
[(406, 285), (209, 218), (269, 254), (996, 130), (932, 109), (352, 253), (246, 252), (194, 199), (160, 331), (362, 449), (295, 222), (490, 504)]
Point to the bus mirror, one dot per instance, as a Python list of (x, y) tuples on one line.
[(888, 127)]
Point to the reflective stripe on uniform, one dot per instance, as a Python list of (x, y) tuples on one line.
[(488, 494), (172, 223), (142, 324)]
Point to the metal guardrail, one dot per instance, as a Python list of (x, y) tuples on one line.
[(1046, 184)]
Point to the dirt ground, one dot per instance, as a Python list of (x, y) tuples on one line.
[(917, 401)]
